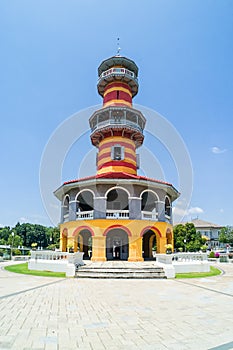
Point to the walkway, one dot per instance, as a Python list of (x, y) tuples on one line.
[(50, 313)]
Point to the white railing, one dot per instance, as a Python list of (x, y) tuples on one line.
[(149, 215), (55, 261), (66, 217), (125, 122), (117, 214), (118, 71), (53, 256), (84, 215), (189, 256), (49, 255)]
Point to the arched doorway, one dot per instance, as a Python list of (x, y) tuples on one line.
[(117, 245), (149, 243), (84, 243)]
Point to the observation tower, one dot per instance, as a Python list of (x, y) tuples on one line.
[(116, 214)]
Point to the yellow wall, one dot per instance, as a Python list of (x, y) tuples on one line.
[(99, 226)]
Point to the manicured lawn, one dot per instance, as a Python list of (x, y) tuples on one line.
[(23, 268), (213, 272)]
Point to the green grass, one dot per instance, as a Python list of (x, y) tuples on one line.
[(23, 269), (213, 272)]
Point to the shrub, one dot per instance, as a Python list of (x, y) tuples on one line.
[(16, 252), (211, 255), (216, 255)]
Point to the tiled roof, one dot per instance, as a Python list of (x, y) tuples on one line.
[(115, 175), (200, 224)]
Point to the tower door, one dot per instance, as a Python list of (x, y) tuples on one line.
[(117, 245)]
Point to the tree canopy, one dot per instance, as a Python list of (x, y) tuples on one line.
[(226, 235), (187, 238), (26, 234)]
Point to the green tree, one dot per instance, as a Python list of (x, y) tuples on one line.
[(4, 234), (226, 235), (14, 240), (187, 237)]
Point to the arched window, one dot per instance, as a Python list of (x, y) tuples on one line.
[(167, 207), (149, 205), (117, 199), (85, 201), (66, 208)]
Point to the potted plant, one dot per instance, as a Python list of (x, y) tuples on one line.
[(168, 248)]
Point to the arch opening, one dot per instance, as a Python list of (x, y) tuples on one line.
[(149, 244), (83, 243), (149, 205), (167, 207), (85, 201), (117, 245), (117, 204)]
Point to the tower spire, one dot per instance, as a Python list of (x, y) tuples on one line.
[(118, 47)]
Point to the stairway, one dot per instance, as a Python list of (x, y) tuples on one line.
[(120, 269)]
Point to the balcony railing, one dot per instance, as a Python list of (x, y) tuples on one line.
[(66, 217), (118, 71), (122, 122), (117, 214), (149, 215), (84, 215)]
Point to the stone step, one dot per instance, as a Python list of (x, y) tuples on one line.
[(117, 272)]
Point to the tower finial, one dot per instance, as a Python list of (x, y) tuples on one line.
[(118, 47)]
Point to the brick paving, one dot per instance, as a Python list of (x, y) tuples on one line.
[(50, 313)]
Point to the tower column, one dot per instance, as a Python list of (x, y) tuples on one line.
[(135, 208), (135, 249), (100, 208), (72, 210), (161, 211), (98, 248)]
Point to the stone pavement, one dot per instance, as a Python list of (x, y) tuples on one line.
[(51, 313)]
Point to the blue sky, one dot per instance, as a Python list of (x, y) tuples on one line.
[(50, 51)]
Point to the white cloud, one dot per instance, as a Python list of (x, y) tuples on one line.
[(217, 150), (195, 210), (221, 210), (192, 210)]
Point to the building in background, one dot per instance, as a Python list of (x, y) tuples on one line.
[(208, 230), (116, 214)]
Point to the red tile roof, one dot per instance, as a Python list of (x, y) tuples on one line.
[(116, 175)]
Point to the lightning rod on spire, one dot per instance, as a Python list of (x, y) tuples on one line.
[(118, 47)]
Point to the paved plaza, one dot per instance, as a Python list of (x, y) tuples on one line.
[(51, 313)]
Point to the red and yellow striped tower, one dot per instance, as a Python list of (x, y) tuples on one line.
[(117, 128)]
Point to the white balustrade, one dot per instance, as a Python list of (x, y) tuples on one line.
[(55, 261), (84, 215), (118, 71), (149, 215), (117, 214), (66, 217), (182, 257)]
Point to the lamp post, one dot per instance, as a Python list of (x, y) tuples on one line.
[(185, 245), (12, 242)]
